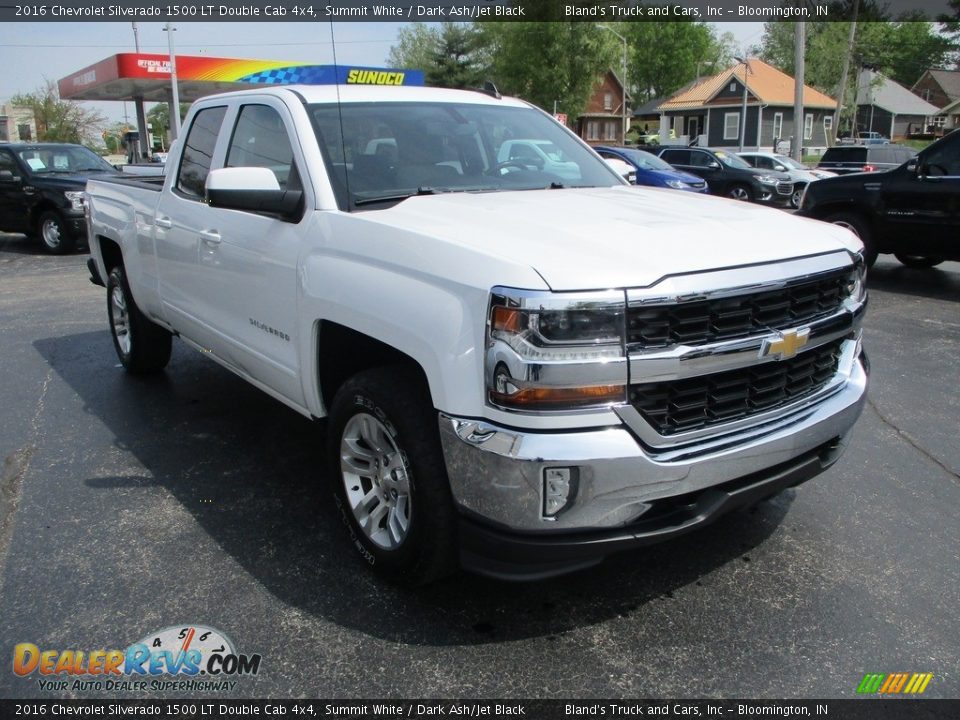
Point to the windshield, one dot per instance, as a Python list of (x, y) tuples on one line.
[(731, 160), (63, 159), (386, 152), (647, 161), (790, 162)]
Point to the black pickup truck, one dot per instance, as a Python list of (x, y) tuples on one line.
[(41, 191), (912, 211)]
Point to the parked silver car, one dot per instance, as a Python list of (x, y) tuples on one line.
[(798, 172)]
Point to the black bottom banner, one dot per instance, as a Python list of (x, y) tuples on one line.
[(853, 709)]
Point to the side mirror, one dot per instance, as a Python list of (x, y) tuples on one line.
[(913, 166), (254, 189), (713, 165), (780, 168), (8, 177)]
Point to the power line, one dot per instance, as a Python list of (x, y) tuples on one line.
[(208, 45)]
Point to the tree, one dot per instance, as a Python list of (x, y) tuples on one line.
[(159, 118), (693, 50), (416, 44), (61, 120), (549, 62)]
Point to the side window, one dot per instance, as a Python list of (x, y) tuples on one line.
[(944, 160), (198, 151), (8, 163), (260, 140), (700, 159), (762, 162), (676, 157)]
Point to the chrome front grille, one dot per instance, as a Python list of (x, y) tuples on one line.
[(693, 403), (785, 188), (698, 322)]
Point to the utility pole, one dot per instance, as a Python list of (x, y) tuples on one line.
[(841, 91), (143, 145), (175, 91), (623, 80), (799, 65), (743, 104)]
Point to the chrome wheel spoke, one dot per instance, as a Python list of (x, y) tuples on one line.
[(376, 480)]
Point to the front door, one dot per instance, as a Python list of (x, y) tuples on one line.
[(13, 200)]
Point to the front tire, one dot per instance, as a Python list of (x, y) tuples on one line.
[(740, 192), (859, 227), (797, 196), (142, 345), (389, 478), (53, 233), (919, 262)]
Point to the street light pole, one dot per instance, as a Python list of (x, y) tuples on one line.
[(623, 106)]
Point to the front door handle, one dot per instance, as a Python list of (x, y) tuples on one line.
[(163, 222), (210, 237)]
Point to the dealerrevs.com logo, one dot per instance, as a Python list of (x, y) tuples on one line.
[(192, 658)]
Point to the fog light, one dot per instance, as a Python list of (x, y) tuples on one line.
[(559, 488)]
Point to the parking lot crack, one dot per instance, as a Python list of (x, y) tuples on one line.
[(913, 442), (15, 468)]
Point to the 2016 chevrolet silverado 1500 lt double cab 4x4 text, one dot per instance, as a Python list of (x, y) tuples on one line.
[(520, 371)]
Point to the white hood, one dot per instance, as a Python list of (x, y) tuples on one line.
[(597, 238)]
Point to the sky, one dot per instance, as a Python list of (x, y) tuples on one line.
[(31, 52)]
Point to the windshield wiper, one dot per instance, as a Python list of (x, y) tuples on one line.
[(397, 197)]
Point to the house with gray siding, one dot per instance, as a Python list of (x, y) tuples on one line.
[(887, 107), (709, 113)]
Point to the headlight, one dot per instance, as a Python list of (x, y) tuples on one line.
[(676, 184), (856, 283), (767, 179), (555, 351), (76, 199)]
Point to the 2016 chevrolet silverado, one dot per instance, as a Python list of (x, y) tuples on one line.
[(521, 372)]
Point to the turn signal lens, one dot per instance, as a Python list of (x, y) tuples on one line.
[(544, 398)]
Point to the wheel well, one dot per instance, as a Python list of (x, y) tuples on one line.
[(110, 252), (39, 210), (344, 352)]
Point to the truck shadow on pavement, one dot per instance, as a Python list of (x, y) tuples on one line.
[(249, 472)]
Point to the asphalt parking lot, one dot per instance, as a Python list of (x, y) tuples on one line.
[(129, 505)]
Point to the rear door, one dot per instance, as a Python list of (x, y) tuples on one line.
[(181, 218)]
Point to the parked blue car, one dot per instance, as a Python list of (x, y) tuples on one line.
[(653, 171)]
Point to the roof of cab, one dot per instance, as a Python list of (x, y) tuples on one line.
[(377, 93)]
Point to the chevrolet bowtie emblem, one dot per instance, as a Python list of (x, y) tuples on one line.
[(786, 345)]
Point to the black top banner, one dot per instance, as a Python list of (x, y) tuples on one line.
[(478, 10)]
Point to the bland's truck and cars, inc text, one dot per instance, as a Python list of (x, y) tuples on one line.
[(520, 372)]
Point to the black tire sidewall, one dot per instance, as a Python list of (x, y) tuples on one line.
[(391, 396), (115, 279), (734, 188), (862, 230), (150, 344)]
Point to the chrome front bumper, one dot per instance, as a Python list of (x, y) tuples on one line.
[(496, 473)]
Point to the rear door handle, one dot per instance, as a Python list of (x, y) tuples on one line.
[(163, 222), (210, 237)]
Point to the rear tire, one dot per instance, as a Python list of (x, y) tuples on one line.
[(142, 345), (859, 227), (920, 262), (53, 233), (389, 478)]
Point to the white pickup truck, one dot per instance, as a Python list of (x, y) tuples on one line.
[(521, 373)]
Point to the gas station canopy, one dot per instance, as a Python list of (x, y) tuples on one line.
[(143, 76)]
